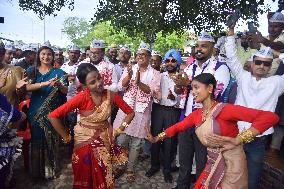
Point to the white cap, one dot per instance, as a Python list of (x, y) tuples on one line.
[(144, 46), (73, 47), (156, 53), (278, 17), (28, 47), (46, 44), (125, 48), (9, 46), (251, 58), (264, 53), (100, 44), (17, 45), (204, 36), (57, 50)]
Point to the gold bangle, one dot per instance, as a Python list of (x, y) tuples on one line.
[(67, 139), (246, 136), (124, 125), (162, 136)]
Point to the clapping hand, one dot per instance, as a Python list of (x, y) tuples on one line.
[(171, 96), (137, 79), (129, 70)]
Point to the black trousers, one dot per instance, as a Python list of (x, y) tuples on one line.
[(163, 117), (188, 145)]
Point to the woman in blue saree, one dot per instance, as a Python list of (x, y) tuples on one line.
[(48, 86)]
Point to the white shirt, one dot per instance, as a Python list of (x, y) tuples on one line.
[(262, 94), (72, 88), (222, 75), (108, 73), (167, 85)]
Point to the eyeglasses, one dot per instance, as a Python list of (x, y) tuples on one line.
[(170, 60), (265, 63)]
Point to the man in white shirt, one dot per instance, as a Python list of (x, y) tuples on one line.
[(165, 114), (70, 68), (255, 90), (105, 67), (124, 57), (188, 141)]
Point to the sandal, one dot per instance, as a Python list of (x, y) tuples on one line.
[(130, 176)]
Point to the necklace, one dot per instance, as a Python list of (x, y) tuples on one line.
[(97, 107), (205, 113)]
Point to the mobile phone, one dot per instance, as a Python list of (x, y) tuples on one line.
[(251, 27)]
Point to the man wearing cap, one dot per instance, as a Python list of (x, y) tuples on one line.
[(156, 60), (141, 83), (112, 53), (165, 113), (58, 58), (29, 58), (124, 57), (188, 141), (70, 68), (105, 67), (9, 76), (275, 39), (255, 90)]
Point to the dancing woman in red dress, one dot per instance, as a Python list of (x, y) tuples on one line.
[(95, 153), (216, 127)]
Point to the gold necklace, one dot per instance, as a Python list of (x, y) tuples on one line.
[(204, 115)]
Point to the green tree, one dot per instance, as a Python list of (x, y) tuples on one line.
[(149, 17), (167, 41), (76, 28)]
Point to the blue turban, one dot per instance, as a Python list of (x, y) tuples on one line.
[(175, 54)]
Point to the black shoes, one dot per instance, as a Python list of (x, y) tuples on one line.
[(168, 178), (151, 172)]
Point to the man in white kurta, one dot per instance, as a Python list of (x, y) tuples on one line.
[(255, 90), (140, 84), (105, 67)]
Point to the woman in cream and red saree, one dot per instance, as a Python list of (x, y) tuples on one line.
[(95, 154), (216, 127)]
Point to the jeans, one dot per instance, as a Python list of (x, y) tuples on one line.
[(133, 144), (255, 152)]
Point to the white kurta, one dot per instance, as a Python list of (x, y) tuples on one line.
[(262, 94), (108, 73), (72, 87), (222, 75)]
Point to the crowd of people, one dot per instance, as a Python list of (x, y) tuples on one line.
[(213, 118)]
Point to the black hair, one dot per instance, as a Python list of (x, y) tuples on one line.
[(207, 79), (83, 70), (38, 63), (28, 53)]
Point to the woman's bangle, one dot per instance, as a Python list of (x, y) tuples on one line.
[(67, 139), (246, 136), (124, 125), (162, 136), (40, 85)]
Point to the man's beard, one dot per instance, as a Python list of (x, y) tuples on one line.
[(174, 69)]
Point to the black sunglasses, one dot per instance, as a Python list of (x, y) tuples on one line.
[(265, 63), (170, 60)]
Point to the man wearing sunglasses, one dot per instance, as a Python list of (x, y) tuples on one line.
[(255, 90), (165, 113)]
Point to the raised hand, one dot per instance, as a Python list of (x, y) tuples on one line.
[(129, 70), (22, 83)]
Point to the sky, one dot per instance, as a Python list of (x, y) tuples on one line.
[(26, 25)]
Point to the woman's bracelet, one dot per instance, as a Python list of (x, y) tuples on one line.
[(66, 139), (162, 136), (124, 125), (40, 85), (246, 136)]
